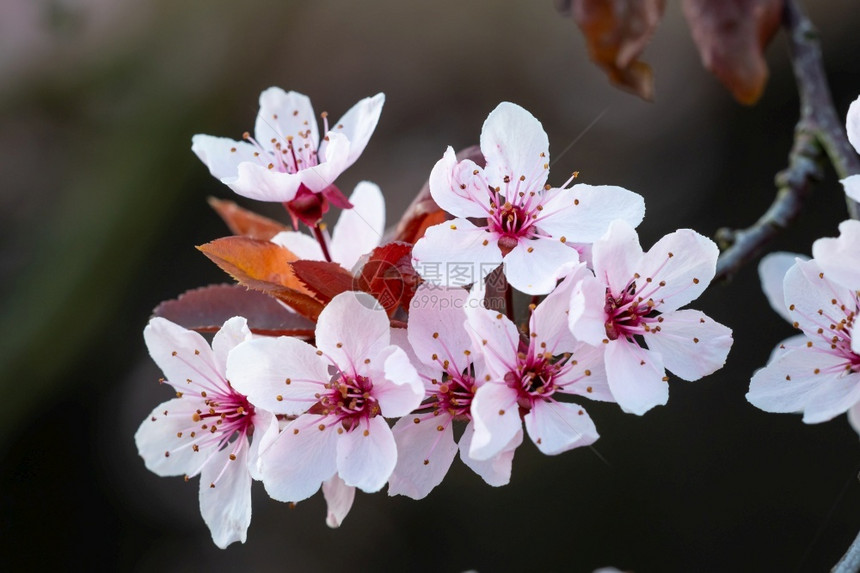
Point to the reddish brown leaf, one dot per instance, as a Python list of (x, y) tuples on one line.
[(616, 32), (263, 266), (325, 280), (243, 222), (731, 36), (424, 212), (388, 275), (207, 308)]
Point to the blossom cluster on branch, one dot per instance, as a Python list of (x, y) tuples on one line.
[(356, 361)]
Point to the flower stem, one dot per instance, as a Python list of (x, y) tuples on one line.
[(321, 239)]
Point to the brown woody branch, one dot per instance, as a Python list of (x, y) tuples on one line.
[(819, 134)]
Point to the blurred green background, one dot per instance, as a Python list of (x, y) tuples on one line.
[(103, 202)]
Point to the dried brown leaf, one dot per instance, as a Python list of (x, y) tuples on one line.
[(616, 32), (731, 36)]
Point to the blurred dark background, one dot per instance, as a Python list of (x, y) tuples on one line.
[(103, 202)]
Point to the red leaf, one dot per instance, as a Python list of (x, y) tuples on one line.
[(731, 36), (388, 275), (207, 308), (325, 280), (616, 32), (265, 267), (243, 222), (424, 212)]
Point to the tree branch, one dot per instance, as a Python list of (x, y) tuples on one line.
[(819, 133)]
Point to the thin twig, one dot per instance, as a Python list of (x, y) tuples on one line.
[(819, 133)]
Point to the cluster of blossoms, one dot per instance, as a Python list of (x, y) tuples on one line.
[(817, 372), (389, 357)]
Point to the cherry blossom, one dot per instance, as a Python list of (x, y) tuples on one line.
[(336, 395), (525, 223), (629, 311), (852, 126), (452, 370), (357, 231), (526, 377), (286, 159), (209, 428), (821, 378)]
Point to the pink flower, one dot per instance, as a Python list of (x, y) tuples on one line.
[(526, 224), (286, 154), (852, 126), (526, 377), (452, 370), (635, 297), (209, 429), (339, 394), (771, 271), (822, 377), (357, 231)]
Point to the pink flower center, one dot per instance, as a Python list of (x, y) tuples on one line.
[(454, 395), (534, 378), (349, 401), (628, 315), (288, 154)]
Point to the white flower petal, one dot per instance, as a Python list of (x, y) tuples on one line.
[(334, 162), (534, 266), (338, 499), (285, 114), (813, 301), (497, 419), (616, 256), (459, 188), (258, 182), (493, 333), (796, 341), (583, 213), (851, 185), (690, 343), (852, 124), (677, 269), (222, 155), (183, 355), (586, 374), (424, 454), (435, 326), (266, 431), (635, 377), (397, 388), (351, 329), (557, 427), (456, 253), (225, 496), (496, 470), (164, 452), (297, 463), (771, 272), (808, 380), (366, 455), (301, 245), (515, 145), (854, 417), (261, 367), (548, 324), (234, 332), (840, 258), (358, 124), (587, 317), (359, 230)]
